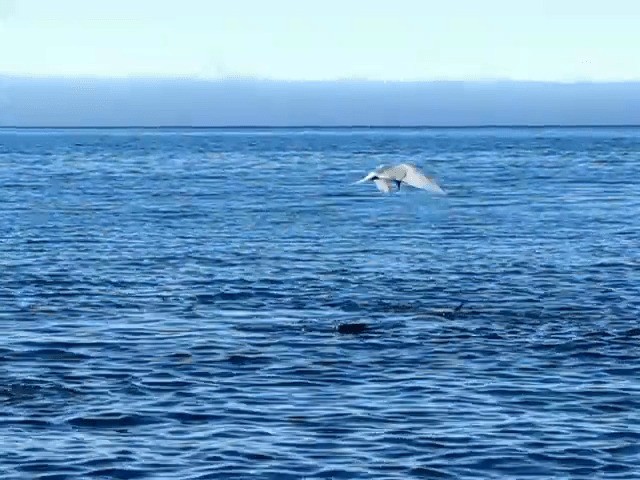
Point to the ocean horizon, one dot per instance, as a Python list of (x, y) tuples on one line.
[(312, 126), (159, 101)]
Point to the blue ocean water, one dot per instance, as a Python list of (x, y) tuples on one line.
[(169, 303)]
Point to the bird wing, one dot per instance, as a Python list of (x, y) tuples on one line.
[(414, 177), (397, 172), (383, 184)]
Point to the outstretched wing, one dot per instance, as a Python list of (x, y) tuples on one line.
[(397, 172), (414, 177), (383, 184)]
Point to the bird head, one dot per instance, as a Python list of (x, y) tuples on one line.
[(371, 176)]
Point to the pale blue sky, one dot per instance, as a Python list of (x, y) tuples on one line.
[(563, 40)]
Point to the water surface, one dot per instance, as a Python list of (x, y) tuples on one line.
[(169, 303)]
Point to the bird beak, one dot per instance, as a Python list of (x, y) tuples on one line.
[(368, 177)]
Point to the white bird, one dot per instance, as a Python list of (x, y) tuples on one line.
[(384, 177)]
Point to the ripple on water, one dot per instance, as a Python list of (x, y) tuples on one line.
[(160, 322)]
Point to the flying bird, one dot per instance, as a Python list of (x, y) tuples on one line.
[(385, 177)]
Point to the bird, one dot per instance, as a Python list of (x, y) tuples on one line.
[(386, 176)]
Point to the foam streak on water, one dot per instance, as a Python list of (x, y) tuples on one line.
[(169, 302)]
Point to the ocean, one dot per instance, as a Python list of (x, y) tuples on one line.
[(174, 302)]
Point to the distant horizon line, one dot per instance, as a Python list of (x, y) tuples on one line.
[(300, 127)]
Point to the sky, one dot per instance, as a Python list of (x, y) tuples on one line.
[(391, 40)]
